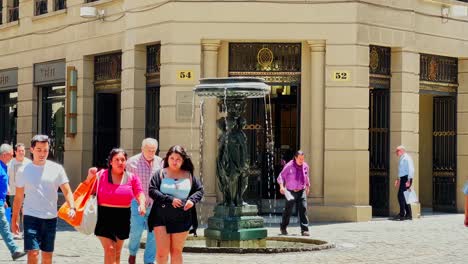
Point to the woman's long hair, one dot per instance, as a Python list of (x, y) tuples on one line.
[(187, 164), (112, 153)]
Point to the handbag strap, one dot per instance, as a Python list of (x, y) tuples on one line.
[(98, 176)]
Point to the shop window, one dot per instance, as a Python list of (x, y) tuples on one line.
[(53, 119), (8, 115)]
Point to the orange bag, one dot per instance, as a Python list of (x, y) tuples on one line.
[(80, 196)]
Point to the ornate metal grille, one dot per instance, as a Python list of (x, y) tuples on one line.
[(13, 11), (41, 7), (266, 59), (60, 4), (379, 129), (108, 67), (444, 155), (438, 69), (153, 58), (153, 69), (379, 60)]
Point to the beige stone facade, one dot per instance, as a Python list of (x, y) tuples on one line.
[(195, 35)]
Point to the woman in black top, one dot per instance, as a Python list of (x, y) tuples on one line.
[(171, 216)]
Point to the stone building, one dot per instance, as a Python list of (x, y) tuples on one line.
[(350, 79)]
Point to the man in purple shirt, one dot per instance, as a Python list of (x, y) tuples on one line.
[(294, 185)]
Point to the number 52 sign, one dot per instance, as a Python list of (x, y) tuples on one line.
[(342, 76)]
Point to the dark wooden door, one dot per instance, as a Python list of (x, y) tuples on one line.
[(444, 154), (106, 126)]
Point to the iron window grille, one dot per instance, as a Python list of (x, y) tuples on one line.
[(41, 7), (13, 11), (60, 4)]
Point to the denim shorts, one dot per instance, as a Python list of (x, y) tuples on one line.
[(39, 233)]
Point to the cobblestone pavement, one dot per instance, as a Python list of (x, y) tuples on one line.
[(431, 239)]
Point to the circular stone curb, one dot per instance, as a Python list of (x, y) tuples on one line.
[(315, 245)]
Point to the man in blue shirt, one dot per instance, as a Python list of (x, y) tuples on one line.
[(6, 154), (404, 182)]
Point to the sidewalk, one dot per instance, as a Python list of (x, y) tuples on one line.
[(431, 239)]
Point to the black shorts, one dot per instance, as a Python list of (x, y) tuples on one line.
[(113, 223), (176, 220)]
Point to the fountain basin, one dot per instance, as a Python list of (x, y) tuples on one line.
[(280, 244), (249, 87)]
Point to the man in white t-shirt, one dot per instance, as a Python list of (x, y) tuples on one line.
[(39, 181), (13, 167)]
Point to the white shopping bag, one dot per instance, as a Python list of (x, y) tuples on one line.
[(465, 188), (410, 196), (288, 195)]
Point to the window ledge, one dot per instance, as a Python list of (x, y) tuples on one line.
[(9, 25), (51, 14), (99, 2)]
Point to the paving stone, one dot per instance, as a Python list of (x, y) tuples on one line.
[(435, 239)]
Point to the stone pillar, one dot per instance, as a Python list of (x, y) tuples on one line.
[(132, 118), (27, 105), (4, 11), (317, 108), (462, 131), (210, 146), (346, 158), (50, 6), (404, 118)]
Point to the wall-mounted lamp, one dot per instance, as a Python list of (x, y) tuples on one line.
[(72, 80), (91, 12)]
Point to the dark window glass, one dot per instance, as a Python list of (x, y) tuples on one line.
[(53, 120), (8, 117)]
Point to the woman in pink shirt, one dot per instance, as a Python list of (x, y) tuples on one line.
[(115, 190)]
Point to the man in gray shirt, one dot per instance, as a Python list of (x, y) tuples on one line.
[(40, 180)]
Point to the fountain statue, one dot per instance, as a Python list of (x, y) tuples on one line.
[(235, 223)]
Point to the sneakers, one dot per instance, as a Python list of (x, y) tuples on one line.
[(18, 254), (408, 217), (283, 231), (305, 233)]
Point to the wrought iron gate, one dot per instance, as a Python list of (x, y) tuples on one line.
[(444, 156), (280, 65), (379, 130)]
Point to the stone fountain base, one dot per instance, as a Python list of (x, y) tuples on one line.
[(236, 227)]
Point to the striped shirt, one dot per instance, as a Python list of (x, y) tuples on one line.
[(139, 166)]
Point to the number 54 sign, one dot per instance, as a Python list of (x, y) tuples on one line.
[(185, 75), (342, 76)]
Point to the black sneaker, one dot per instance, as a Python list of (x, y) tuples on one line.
[(408, 217), (305, 233), (283, 231), (18, 254), (398, 218)]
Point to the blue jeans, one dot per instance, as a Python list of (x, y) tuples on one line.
[(138, 224), (5, 231)]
